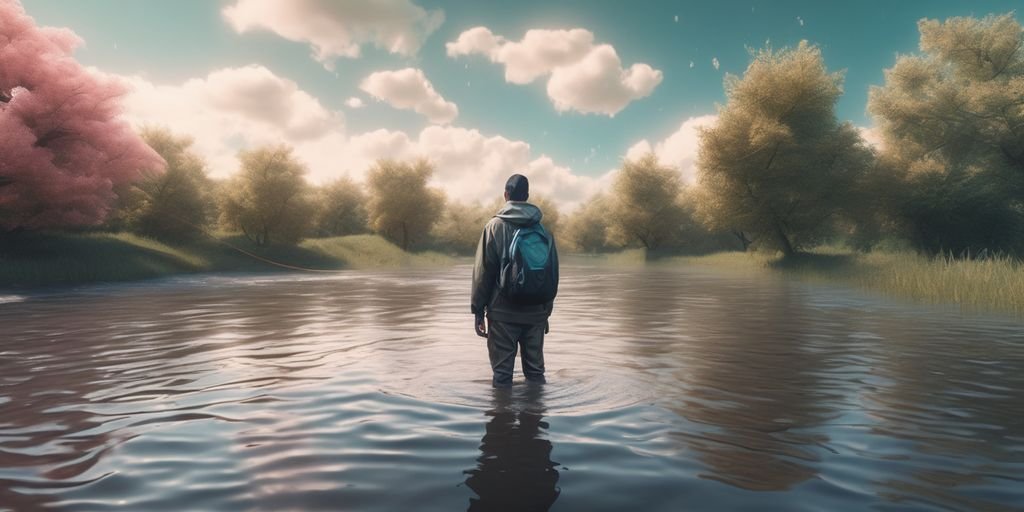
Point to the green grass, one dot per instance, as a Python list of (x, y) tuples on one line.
[(371, 251), (995, 284), (44, 259)]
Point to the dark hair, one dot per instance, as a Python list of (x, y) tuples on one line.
[(517, 187)]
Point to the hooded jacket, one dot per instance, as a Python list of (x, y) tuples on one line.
[(494, 242)]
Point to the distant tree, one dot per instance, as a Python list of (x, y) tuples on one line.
[(692, 236), (460, 225), (269, 200), (952, 124), (63, 149), (341, 209), (643, 209), (172, 204), (586, 229), (778, 165), (401, 206), (552, 216)]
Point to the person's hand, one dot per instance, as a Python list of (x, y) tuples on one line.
[(480, 325)]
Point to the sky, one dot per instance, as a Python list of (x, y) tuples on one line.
[(560, 91)]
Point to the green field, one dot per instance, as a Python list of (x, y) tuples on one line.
[(43, 259)]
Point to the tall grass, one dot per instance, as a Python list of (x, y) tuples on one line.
[(991, 284), (988, 284)]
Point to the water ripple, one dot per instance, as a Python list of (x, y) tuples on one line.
[(668, 389)]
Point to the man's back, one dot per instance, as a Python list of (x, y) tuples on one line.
[(494, 242), (512, 325)]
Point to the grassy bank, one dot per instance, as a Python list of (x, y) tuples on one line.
[(978, 285), (42, 259)]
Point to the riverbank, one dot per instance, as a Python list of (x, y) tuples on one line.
[(47, 259), (995, 284)]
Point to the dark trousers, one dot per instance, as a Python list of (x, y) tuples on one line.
[(503, 339)]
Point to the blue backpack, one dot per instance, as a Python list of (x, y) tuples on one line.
[(527, 274)]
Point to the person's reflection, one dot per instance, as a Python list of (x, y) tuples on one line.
[(514, 470)]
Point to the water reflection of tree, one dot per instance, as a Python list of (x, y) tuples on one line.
[(733, 360), (514, 471)]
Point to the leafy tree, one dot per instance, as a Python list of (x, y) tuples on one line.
[(341, 209), (269, 200), (952, 124), (174, 204), (586, 229), (643, 206), (778, 164), (460, 225), (401, 206), (63, 148), (552, 216), (692, 236)]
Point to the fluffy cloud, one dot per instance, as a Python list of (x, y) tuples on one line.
[(354, 102), (339, 29), (409, 89), (471, 166), (237, 108), (678, 149), (230, 109), (597, 84), (584, 77)]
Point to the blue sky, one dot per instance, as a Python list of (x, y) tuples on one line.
[(172, 42)]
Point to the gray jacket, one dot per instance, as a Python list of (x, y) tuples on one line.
[(494, 241)]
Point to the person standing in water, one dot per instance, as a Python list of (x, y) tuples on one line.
[(515, 280)]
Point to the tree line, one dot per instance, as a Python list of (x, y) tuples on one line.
[(270, 202), (778, 171)]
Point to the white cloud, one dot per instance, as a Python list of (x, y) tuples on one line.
[(257, 93), (598, 84), (678, 149), (230, 109), (238, 108), (354, 102), (339, 29), (714, 62), (409, 89), (471, 166), (872, 136), (583, 77)]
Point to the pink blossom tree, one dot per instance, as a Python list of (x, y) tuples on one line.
[(63, 147)]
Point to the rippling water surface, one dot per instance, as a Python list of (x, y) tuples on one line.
[(669, 389)]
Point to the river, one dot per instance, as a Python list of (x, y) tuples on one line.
[(669, 389)]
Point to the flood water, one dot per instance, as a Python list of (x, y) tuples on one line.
[(669, 389)]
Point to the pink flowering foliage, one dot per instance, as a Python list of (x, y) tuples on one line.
[(63, 147)]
